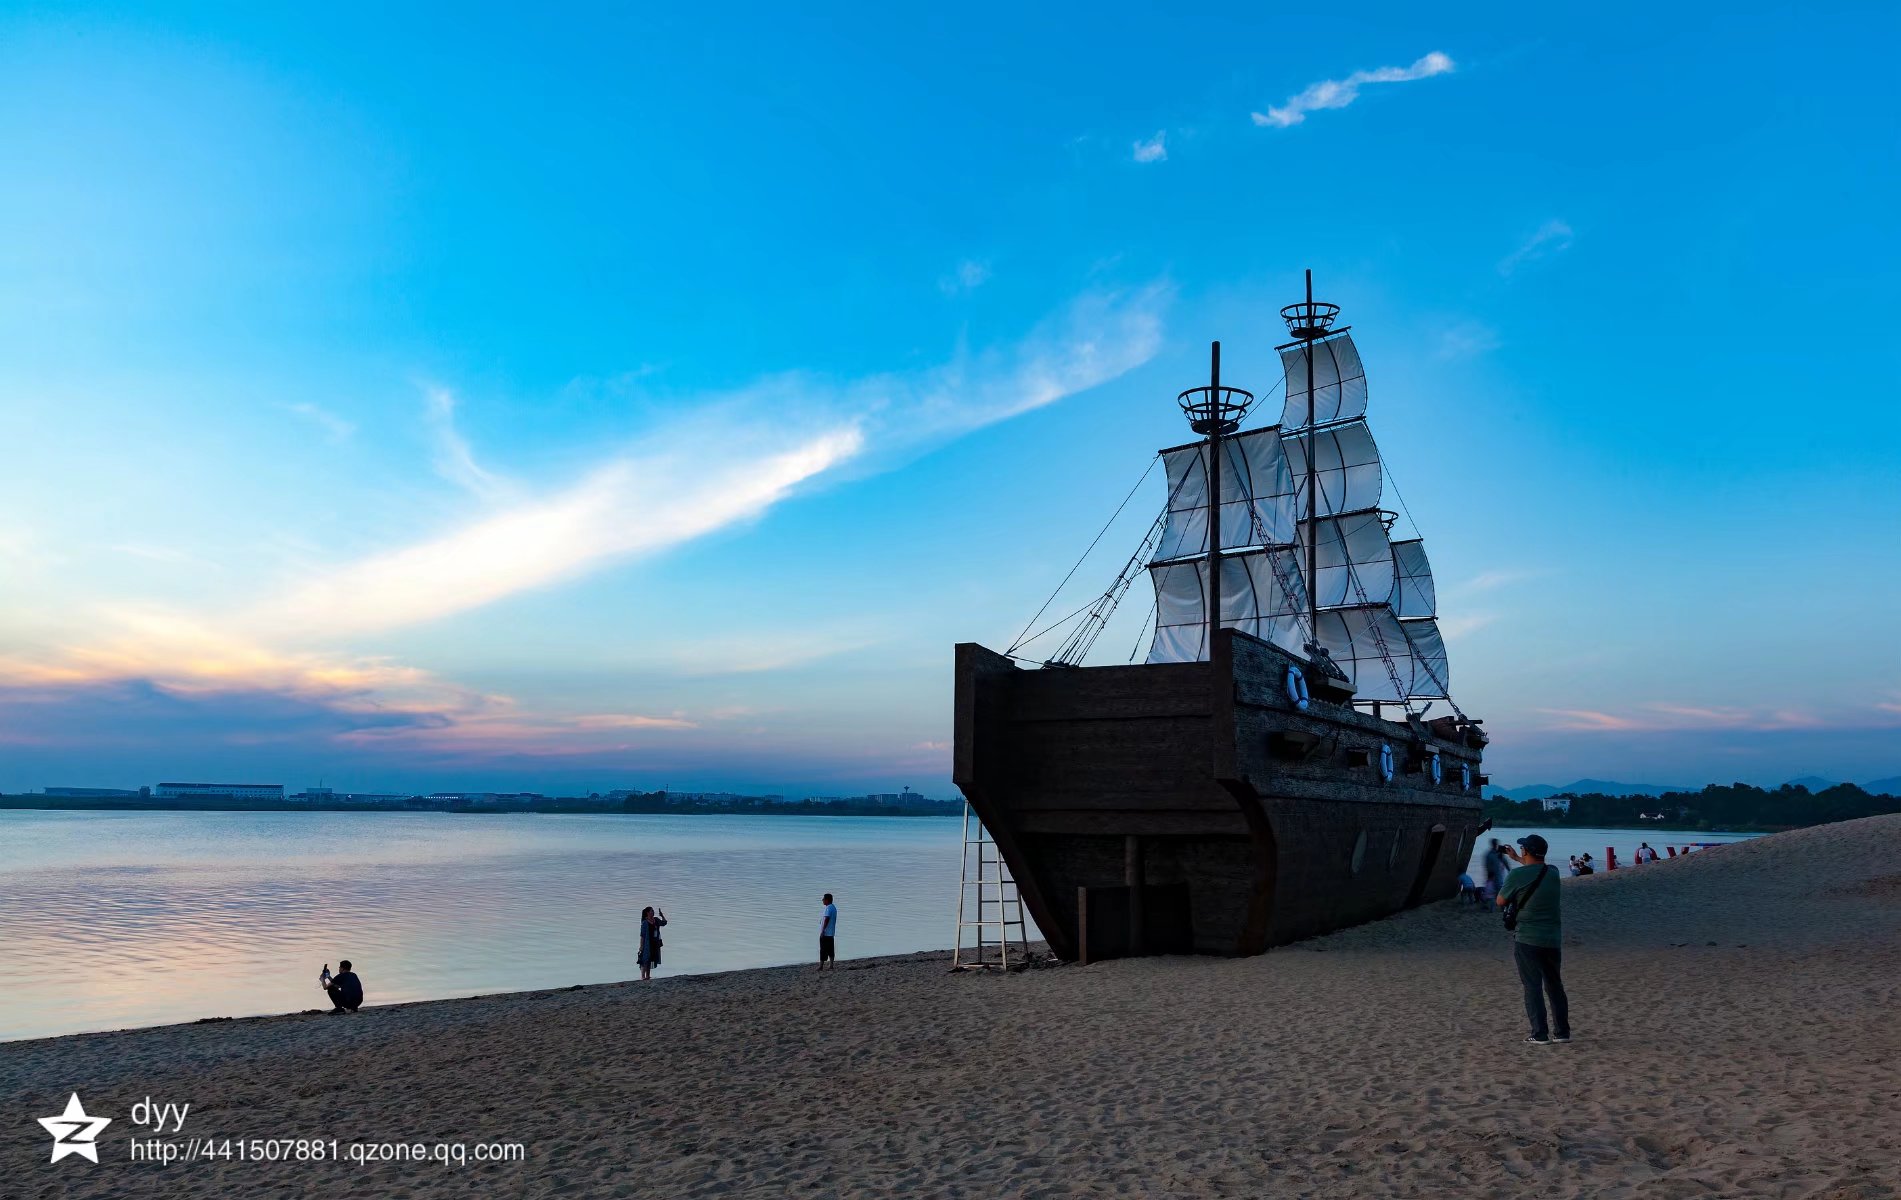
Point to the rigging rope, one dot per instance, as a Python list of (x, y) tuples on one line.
[(1085, 554), (1084, 638)]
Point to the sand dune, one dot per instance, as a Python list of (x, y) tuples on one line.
[(1736, 1036)]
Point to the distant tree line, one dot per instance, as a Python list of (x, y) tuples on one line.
[(1735, 807), (915, 806)]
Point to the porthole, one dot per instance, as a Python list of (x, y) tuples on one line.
[(1359, 854)]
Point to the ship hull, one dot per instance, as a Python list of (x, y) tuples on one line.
[(1196, 807)]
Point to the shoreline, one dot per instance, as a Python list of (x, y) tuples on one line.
[(1734, 1030), (871, 962)]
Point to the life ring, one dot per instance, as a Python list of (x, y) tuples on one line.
[(1438, 771), (1386, 763), (1465, 776), (1297, 693)]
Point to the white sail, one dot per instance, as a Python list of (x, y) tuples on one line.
[(1384, 658), (1347, 468), (1375, 597), (1353, 560), (1260, 596), (1417, 597), (1339, 383), (1431, 679), (1257, 495)]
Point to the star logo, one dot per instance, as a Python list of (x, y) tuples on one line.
[(74, 1132)]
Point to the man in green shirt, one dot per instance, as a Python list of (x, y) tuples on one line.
[(1533, 888)]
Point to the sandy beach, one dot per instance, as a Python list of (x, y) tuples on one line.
[(1734, 1012)]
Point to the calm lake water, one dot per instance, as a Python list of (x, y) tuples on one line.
[(119, 919)]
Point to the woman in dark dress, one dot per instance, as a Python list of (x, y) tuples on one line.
[(650, 922)]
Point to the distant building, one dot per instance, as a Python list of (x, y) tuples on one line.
[(1556, 803), (220, 791), (92, 793), (483, 799), (324, 795), (901, 799)]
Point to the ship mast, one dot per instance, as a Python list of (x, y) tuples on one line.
[(1214, 411), (1313, 511), (1308, 322), (1214, 503)]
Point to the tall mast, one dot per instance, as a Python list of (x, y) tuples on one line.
[(1313, 511), (1214, 501), (1309, 322), (1214, 412)]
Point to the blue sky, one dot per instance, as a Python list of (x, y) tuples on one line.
[(462, 397)]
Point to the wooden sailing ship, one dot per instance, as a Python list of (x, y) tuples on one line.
[(1268, 773)]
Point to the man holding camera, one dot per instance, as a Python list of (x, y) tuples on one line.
[(1532, 912)]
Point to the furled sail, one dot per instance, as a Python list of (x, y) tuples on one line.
[(1347, 472), (1339, 383), (1260, 595), (1257, 495)]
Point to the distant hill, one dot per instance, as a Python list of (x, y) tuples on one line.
[(1582, 787), (1814, 783), (1884, 787)]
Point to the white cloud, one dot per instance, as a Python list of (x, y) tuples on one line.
[(665, 493), (1338, 93), (1456, 627), (1466, 339), (1553, 237), (292, 657), (1153, 149), (337, 428), (639, 499), (630, 721), (453, 460), (667, 490), (1492, 580), (968, 276)]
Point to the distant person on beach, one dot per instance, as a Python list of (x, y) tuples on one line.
[(1468, 890), (1577, 868), (1585, 867), (827, 932), (1494, 868), (1646, 854), (344, 989), (1533, 891), (651, 919)]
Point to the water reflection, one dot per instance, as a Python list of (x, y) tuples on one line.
[(133, 919)]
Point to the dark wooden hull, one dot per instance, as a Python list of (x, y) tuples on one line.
[(1193, 807)]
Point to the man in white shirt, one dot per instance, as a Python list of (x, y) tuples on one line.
[(827, 931)]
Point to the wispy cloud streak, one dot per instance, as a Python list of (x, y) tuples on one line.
[(1153, 149), (1553, 237), (336, 427), (453, 459), (1338, 93), (1665, 717)]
